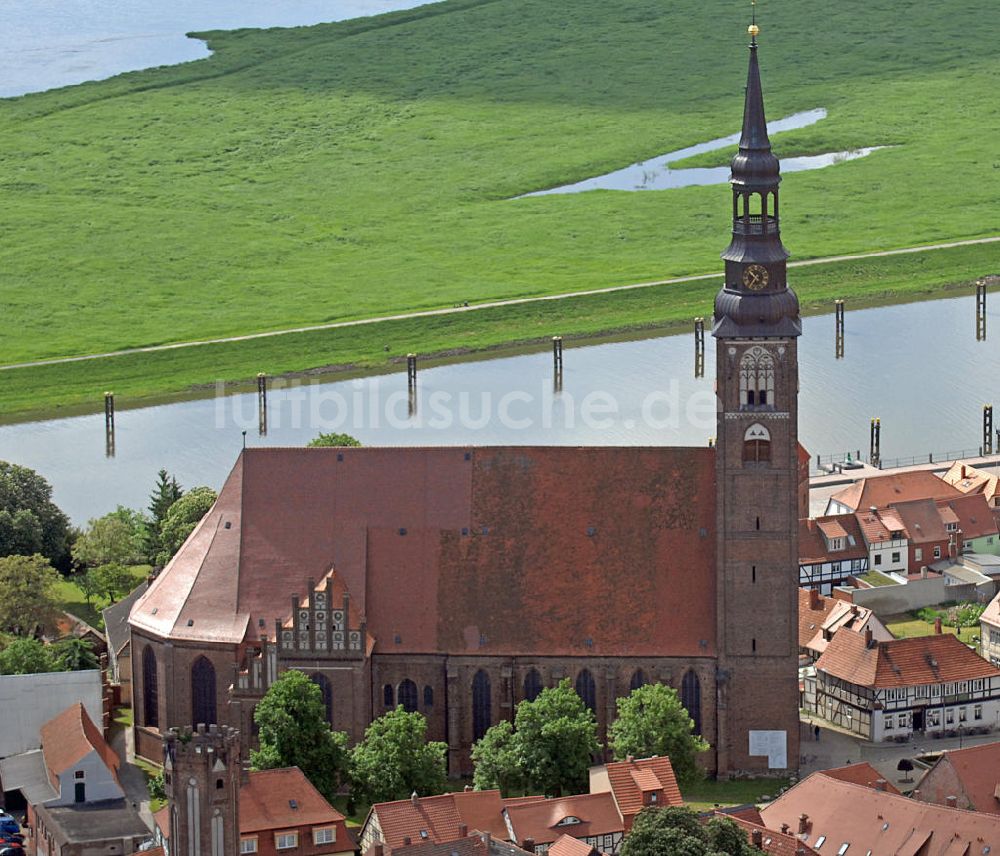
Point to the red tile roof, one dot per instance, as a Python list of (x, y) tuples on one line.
[(567, 845), (573, 538), (973, 514), (860, 774), (771, 842), (971, 480), (629, 779), (545, 821), (820, 617), (977, 771), (902, 662), (922, 521), (70, 737), (882, 491), (880, 822), (266, 802), (812, 545)]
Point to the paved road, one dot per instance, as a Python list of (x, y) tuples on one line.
[(333, 325)]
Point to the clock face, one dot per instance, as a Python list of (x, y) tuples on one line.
[(755, 277)]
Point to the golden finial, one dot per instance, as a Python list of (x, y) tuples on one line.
[(753, 29)]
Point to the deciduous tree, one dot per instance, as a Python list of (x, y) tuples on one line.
[(113, 581), (395, 759), (26, 656), (652, 721), (294, 733), (181, 519), (29, 521), (677, 831), (74, 655), (334, 440), (115, 538), (497, 759), (27, 598)]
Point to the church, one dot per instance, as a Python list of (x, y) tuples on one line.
[(459, 581)]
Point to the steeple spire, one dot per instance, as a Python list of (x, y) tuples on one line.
[(754, 164)]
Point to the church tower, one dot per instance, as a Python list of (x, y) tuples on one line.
[(756, 326), (201, 774)]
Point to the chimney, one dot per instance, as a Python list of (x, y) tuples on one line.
[(784, 829), (951, 802), (756, 837), (803, 824), (963, 472), (463, 831), (923, 572), (880, 784), (407, 841), (814, 599), (629, 758), (868, 637), (937, 625), (916, 794), (528, 844), (414, 798)]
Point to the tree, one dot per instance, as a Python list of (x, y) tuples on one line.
[(678, 831), (181, 519), (334, 440), (497, 759), (27, 598), (165, 493), (395, 759), (115, 538), (74, 655), (557, 737), (294, 733), (29, 521), (26, 657), (652, 721), (113, 581)]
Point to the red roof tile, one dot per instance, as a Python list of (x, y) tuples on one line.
[(972, 514), (567, 845), (860, 774), (971, 480), (70, 737), (882, 491), (546, 820), (812, 544), (922, 521), (977, 771), (902, 662), (574, 538), (771, 842), (629, 779), (266, 802), (441, 817)]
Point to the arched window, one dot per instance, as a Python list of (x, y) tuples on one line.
[(757, 444), (202, 692), (327, 691), (691, 698), (532, 685), (638, 680), (586, 689), (406, 695), (482, 705), (428, 696), (388, 697), (150, 689), (756, 379)]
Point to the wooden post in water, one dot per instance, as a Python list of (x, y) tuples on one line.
[(557, 364), (262, 404), (981, 310), (875, 456), (699, 347), (411, 382), (839, 313), (109, 424), (987, 429)]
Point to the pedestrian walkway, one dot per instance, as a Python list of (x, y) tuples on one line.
[(131, 777)]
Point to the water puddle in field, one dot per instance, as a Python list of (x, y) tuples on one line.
[(656, 174)]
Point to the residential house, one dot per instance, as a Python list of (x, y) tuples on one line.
[(821, 617), (975, 522), (76, 803), (885, 537), (567, 845), (474, 844), (964, 778), (862, 773), (591, 818), (838, 817), (890, 489), (890, 690), (989, 632), (636, 784), (773, 843), (119, 640), (931, 534), (971, 480), (831, 549)]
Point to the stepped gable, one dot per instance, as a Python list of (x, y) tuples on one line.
[(503, 550)]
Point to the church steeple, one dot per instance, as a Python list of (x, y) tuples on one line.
[(756, 300)]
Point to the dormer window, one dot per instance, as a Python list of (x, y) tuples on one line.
[(836, 544), (569, 820)]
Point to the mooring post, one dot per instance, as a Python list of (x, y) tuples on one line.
[(699, 347), (109, 424), (411, 372), (839, 314), (980, 310), (987, 429), (875, 458), (557, 354), (261, 404)]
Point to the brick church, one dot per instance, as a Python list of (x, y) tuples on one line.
[(459, 581)]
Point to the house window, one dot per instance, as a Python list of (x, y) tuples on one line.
[(691, 698), (248, 845), (937, 552), (638, 680), (150, 691), (532, 685), (757, 444), (324, 836), (79, 774), (949, 715), (933, 718), (990, 540), (286, 840), (889, 721), (406, 695), (895, 557), (918, 554), (951, 527), (836, 544), (326, 691), (202, 692), (977, 711), (878, 559), (482, 705), (961, 714)]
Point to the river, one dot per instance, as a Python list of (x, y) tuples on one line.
[(917, 366)]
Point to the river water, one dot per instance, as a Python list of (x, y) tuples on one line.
[(916, 366)]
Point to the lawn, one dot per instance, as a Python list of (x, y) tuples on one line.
[(874, 578), (357, 169), (70, 598), (707, 794), (906, 625)]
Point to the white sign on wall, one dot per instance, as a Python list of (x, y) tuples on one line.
[(774, 744)]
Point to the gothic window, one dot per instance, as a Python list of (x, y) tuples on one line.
[(756, 379), (638, 680), (327, 691), (406, 695), (482, 705), (586, 689), (388, 696), (532, 685), (150, 689), (428, 696), (202, 692), (757, 444), (691, 698)]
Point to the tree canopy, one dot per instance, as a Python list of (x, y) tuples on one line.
[(29, 521), (74, 655), (679, 832), (294, 733), (116, 538), (497, 759), (26, 656), (334, 439), (395, 759), (181, 519), (27, 598), (652, 721)]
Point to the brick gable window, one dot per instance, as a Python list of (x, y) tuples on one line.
[(638, 680)]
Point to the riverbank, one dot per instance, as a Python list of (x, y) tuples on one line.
[(139, 379)]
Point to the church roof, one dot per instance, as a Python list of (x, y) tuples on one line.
[(505, 550)]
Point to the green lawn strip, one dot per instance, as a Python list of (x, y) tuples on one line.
[(364, 168), (874, 578), (343, 802), (904, 626), (707, 794), (70, 598), (68, 388)]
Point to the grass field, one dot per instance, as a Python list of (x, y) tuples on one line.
[(364, 168), (906, 624), (707, 794), (71, 599)]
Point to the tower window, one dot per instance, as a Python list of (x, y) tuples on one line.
[(756, 379), (753, 571), (757, 446)]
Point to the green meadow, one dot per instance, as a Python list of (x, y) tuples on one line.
[(359, 169)]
